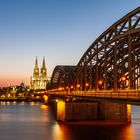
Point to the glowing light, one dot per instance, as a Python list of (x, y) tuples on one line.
[(3, 103), (14, 102), (78, 85), (8, 103), (58, 132), (22, 103), (72, 87), (123, 78), (87, 84), (44, 107), (32, 103), (100, 82), (56, 100), (60, 88), (45, 97)]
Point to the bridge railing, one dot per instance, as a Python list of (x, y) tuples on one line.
[(129, 94)]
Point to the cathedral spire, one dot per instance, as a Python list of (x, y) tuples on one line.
[(36, 63), (36, 69), (43, 64), (43, 69)]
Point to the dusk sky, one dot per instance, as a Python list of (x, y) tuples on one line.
[(59, 30)]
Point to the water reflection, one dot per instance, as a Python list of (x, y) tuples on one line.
[(32, 103), (57, 132), (127, 133), (44, 107), (97, 131), (35, 121)]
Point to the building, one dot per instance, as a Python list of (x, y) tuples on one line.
[(39, 79)]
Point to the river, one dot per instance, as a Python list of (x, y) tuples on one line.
[(35, 121)]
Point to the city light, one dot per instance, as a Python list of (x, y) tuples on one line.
[(60, 88), (45, 98), (100, 82), (78, 85), (71, 86), (56, 100), (123, 78), (87, 84)]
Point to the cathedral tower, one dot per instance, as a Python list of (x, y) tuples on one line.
[(39, 79), (43, 69), (36, 69)]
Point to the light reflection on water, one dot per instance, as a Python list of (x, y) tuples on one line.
[(35, 121)]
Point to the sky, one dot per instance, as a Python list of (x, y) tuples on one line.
[(59, 30)]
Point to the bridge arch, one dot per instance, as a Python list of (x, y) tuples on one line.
[(113, 60), (63, 76)]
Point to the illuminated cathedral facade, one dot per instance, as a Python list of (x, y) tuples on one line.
[(39, 79)]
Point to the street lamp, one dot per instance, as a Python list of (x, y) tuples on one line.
[(86, 86), (71, 86), (123, 79), (78, 86), (100, 82)]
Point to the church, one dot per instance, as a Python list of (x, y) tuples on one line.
[(39, 79)]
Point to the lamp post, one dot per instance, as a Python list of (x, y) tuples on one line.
[(100, 82), (86, 86), (123, 79), (71, 88), (78, 86)]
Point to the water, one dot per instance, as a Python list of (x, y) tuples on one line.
[(35, 121)]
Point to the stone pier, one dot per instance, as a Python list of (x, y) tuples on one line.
[(78, 111)]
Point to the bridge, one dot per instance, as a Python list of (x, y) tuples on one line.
[(109, 69)]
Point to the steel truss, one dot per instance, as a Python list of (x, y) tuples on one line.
[(63, 76), (113, 55)]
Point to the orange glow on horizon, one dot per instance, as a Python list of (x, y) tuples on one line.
[(12, 81)]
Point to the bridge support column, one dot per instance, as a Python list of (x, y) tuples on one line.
[(78, 111), (110, 111)]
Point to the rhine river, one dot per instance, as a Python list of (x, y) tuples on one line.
[(35, 121)]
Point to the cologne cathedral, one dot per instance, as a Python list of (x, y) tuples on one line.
[(39, 78)]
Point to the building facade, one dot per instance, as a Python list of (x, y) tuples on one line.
[(39, 79)]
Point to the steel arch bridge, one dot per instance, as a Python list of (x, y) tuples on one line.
[(112, 61), (63, 76)]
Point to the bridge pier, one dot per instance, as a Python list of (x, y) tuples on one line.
[(78, 111)]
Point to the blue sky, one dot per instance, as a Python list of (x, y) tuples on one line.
[(60, 30)]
